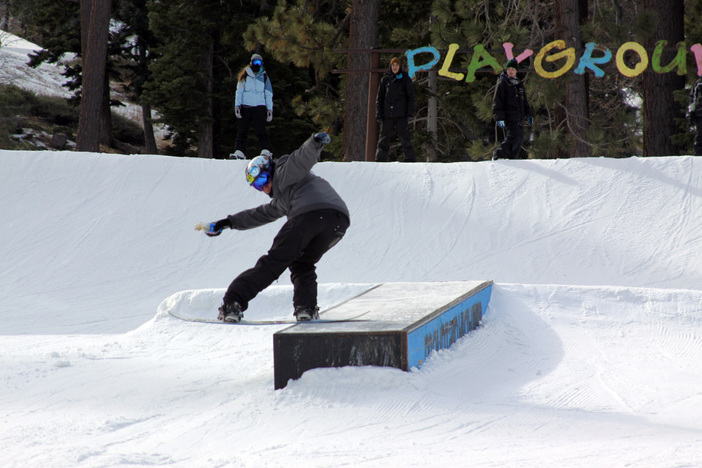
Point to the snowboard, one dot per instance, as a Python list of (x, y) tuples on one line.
[(264, 322)]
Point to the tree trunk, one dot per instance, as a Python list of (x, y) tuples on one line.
[(96, 15), (660, 109), (205, 147), (363, 34), (149, 139), (433, 117), (569, 15), (5, 15), (106, 115)]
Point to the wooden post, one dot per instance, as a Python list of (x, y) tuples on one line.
[(371, 124), (432, 117)]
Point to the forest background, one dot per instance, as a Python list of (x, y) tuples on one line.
[(181, 58)]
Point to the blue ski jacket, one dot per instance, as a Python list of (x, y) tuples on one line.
[(254, 90)]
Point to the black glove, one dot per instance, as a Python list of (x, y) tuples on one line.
[(322, 137), (217, 227)]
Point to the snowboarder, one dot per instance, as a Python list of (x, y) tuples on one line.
[(317, 218), (510, 108), (253, 104)]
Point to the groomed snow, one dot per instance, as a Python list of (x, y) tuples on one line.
[(590, 355)]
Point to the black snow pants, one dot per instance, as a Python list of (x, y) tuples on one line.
[(387, 134), (257, 117), (512, 144), (299, 245)]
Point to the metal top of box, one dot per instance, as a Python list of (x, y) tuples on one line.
[(392, 307)]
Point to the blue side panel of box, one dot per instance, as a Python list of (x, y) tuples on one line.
[(446, 326), (399, 325)]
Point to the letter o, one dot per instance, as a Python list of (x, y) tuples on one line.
[(640, 67)]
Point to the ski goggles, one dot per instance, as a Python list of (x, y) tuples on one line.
[(257, 63), (258, 182)]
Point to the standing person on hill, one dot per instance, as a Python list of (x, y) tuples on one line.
[(510, 108), (253, 105), (695, 115), (394, 106), (317, 220)]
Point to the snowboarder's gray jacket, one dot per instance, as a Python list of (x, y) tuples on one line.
[(295, 190)]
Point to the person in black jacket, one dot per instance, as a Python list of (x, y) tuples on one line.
[(317, 220), (394, 106), (695, 115), (510, 108)]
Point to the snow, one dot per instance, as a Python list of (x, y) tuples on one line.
[(590, 353), (46, 79)]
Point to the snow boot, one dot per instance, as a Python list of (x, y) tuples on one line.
[(230, 313), (305, 314)]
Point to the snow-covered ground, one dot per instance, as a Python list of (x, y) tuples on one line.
[(47, 79), (590, 354)]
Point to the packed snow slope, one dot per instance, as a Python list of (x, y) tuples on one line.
[(114, 235), (590, 354)]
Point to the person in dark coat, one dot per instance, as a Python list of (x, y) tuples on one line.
[(510, 108), (317, 219), (695, 115), (394, 106)]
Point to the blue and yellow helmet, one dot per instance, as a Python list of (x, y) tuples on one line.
[(259, 171)]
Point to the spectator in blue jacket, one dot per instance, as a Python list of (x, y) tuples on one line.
[(253, 105)]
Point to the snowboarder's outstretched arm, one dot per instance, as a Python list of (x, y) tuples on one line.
[(300, 161), (247, 219)]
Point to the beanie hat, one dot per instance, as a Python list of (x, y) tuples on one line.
[(256, 57), (512, 63), (396, 60)]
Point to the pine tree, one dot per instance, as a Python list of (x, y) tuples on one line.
[(57, 27), (181, 87), (135, 41), (465, 109), (190, 98), (302, 36)]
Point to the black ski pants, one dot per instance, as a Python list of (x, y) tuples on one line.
[(387, 134), (257, 117), (299, 245), (511, 146)]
